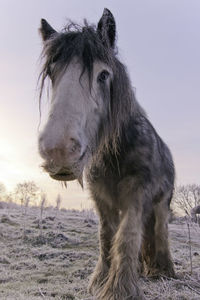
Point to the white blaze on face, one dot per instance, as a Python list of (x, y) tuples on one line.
[(74, 114)]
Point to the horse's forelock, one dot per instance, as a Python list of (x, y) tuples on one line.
[(74, 41)]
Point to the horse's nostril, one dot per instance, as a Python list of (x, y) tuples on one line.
[(75, 145)]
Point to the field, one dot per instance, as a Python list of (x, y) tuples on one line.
[(52, 256)]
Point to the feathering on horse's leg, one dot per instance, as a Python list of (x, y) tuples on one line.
[(162, 264), (109, 220), (122, 276)]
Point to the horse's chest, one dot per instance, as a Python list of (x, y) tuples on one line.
[(104, 187)]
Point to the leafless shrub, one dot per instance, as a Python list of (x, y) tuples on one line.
[(89, 216), (186, 197), (42, 206), (190, 247), (2, 190), (24, 213), (9, 198), (58, 203), (56, 210)]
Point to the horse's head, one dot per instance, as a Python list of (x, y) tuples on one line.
[(79, 65)]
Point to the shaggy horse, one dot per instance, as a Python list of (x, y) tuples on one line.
[(96, 124)]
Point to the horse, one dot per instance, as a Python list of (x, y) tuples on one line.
[(96, 126)]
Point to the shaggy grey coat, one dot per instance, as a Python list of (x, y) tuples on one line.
[(129, 168)]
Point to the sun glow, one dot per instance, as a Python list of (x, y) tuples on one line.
[(13, 170)]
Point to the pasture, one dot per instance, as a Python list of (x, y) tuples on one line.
[(52, 257)]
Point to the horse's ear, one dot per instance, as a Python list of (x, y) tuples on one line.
[(107, 28), (46, 30)]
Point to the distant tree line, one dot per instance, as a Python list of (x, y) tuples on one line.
[(186, 200), (25, 192)]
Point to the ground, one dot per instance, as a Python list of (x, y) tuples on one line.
[(50, 254)]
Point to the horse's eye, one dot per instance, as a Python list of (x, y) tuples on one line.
[(103, 76), (49, 72)]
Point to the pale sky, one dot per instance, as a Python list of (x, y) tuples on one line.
[(159, 41)]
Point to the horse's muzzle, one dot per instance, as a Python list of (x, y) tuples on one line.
[(67, 172)]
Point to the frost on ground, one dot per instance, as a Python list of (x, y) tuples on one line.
[(53, 258)]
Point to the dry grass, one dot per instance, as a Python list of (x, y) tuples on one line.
[(56, 262)]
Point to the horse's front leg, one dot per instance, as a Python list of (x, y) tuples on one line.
[(121, 283), (108, 219)]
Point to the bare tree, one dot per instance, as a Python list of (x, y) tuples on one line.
[(58, 202), (2, 190), (9, 198), (24, 213), (26, 190), (186, 197), (42, 206)]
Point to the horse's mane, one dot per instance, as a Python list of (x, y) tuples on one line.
[(84, 43)]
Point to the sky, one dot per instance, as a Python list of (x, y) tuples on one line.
[(159, 41)]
